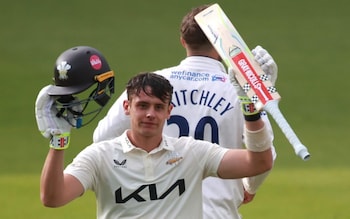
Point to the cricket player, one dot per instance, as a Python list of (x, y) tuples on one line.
[(144, 173), (205, 106)]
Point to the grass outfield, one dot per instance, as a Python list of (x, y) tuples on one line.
[(309, 41)]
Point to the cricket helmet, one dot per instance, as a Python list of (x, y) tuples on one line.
[(77, 70)]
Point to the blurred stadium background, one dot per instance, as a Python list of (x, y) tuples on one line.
[(308, 39)]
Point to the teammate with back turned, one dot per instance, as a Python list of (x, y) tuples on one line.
[(206, 107)]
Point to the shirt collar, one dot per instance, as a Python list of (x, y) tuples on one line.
[(128, 146), (205, 63)]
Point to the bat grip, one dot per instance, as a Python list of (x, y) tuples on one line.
[(272, 108)]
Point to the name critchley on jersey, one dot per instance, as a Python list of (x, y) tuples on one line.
[(197, 97)]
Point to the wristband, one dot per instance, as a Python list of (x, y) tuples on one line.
[(247, 107), (252, 118), (60, 142), (257, 141)]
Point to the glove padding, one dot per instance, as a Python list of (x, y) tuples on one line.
[(49, 124), (266, 62), (268, 65)]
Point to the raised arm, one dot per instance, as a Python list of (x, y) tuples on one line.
[(56, 188), (258, 157), (254, 160), (268, 64)]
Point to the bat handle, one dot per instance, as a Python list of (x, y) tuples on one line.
[(272, 108)]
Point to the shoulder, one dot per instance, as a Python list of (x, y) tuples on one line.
[(202, 153), (189, 143), (179, 140), (104, 146)]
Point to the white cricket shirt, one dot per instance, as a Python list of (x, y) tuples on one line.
[(131, 183)]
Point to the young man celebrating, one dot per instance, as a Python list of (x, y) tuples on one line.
[(144, 173)]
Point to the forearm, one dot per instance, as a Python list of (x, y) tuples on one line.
[(255, 160), (52, 178), (254, 125), (258, 142), (251, 184)]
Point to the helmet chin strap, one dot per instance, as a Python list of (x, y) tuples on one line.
[(105, 80), (101, 97)]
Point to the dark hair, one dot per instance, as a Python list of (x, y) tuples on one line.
[(160, 86), (191, 32)]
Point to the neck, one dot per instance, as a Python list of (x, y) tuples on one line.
[(145, 142), (211, 54)]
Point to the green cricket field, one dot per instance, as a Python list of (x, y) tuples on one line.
[(309, 41)]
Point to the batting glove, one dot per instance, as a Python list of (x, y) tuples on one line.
[(50, 124), (269, 66), (266, 62), (247, 106)]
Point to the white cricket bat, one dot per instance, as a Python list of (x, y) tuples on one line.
[(236, 55)]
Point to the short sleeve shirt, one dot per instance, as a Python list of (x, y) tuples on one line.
[(132, 183)]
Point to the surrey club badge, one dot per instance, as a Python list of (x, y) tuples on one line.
[(63, 69)]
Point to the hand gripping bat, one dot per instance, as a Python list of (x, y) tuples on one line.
[(236, 55)]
